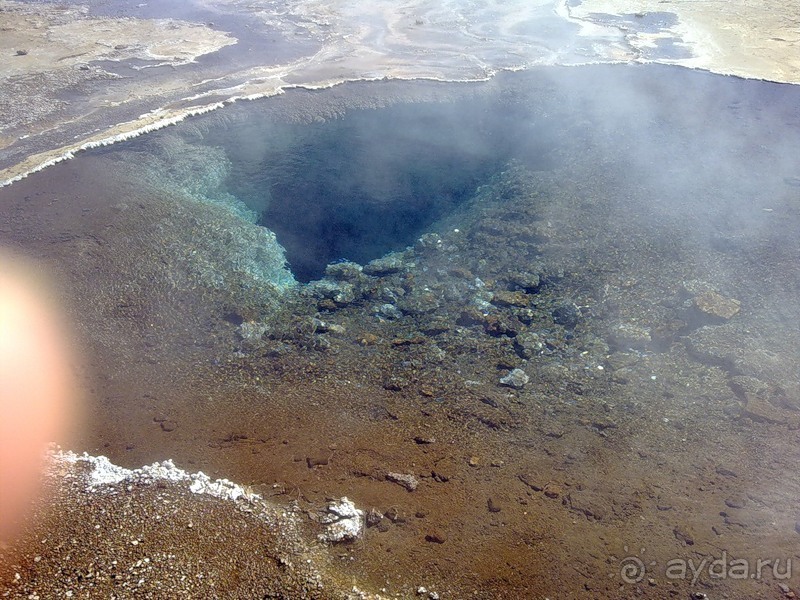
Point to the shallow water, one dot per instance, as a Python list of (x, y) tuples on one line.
[(592, 227)]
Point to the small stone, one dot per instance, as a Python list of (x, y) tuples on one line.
[(394, 516), (530, 480), (168, 425), (629, 335), (368, 339), (724, 471), (568, 315), (474, 461), (797, 526), (22, 52), (516, 379), (384, 266), (424, 440), (344, 271), (736, 502), (553, 491), (526, 281), (317, 461), (682, 536), (404, 479), (436, 537), (503, 298), (373, 518), (493, 508), (388, 311)]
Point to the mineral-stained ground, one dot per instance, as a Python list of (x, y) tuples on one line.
[(586, 368)]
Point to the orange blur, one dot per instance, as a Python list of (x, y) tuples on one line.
[(37, 386)]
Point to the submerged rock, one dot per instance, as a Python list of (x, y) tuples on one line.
[(343, 521), (342, 293), (385, 266), (518, 299), (629, 335), (516, 379), (567, 315), (344, 271), (712, 304), (529, 344)]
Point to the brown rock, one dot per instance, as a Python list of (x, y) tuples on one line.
[(714, 305), (436, 537), (519, 299), (553, 490)]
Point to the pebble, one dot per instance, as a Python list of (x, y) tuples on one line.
[(168, 425)]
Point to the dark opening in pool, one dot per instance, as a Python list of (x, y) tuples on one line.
[(372, 181)]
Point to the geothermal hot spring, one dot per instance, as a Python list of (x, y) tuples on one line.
[(539, 329)]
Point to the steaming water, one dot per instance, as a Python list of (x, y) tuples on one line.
[(630, 191)]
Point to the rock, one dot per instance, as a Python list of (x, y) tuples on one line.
[(344, 271), (373, 518), (435, 326), (525, 281), (592, 505), (735, 501), (251, 330), (553, 490), (385, 266), (342, 293), (406, 480), (567, 315), (725, 472), (492, 507), (762, 401), (343, 521), (419, 302), (436, 537), (519, 299), (21, 52), (169, 426), (317, 461), (424, 440), (529, 344), (388, 311), (394, 516), (629, 335), (430, 241), (682, 536), (531, 481), (516, 379), (368, 339), (712, 304)]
